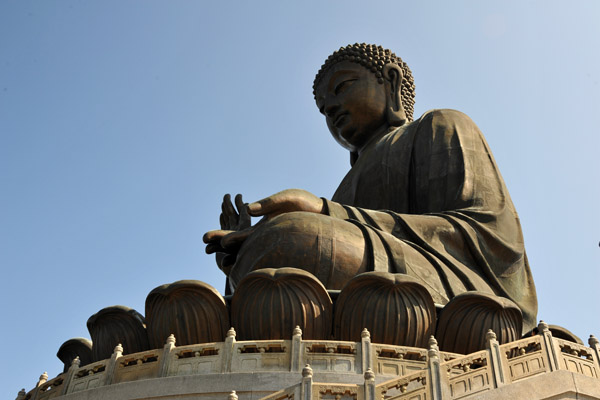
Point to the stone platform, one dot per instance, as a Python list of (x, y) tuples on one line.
[(537, 367)]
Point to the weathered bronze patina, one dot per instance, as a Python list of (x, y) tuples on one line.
[(423, 198)]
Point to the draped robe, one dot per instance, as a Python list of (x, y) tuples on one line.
[(431, 203)]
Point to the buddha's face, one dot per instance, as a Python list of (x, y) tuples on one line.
[(353, 103)]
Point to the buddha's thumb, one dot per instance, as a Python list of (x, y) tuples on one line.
[(255, 209)]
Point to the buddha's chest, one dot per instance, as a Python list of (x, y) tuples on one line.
[(380, 179)]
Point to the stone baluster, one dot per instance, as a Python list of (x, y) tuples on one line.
[(439, 387), (595, 345), (43, 379), (369, 386), (232, 396), (111, 368), (21, 395), (495, 358), (549, 345), (296, 356), (70, 374), (165, 360), (228, 351), (366, 351), (306, 385)]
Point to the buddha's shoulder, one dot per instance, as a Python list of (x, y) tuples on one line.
[(444, 116), (436, 123)]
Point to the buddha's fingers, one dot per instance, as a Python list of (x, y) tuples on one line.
[(235, 239), (289, 200), (215, 236), (270, 206), (231, 217), (213, 248), (244, 218)]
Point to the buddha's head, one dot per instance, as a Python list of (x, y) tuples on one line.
[(363, 90)]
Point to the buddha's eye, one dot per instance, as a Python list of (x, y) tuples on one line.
[(343, 85)]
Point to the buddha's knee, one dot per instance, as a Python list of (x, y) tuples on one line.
[(329, 248)]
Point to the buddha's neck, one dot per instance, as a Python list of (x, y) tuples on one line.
[(378, 134)]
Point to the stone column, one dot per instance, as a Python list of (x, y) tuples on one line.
[(69, 375), (112, 364), (369, 386), (43, 379), (365, 351), (549, 345), (232, 395), (228, 350), (495, 358), (439, 387), (296, 356), (306, 385), (165, 360), (595, 345)]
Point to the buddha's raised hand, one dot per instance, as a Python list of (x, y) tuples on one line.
[(231, 221)]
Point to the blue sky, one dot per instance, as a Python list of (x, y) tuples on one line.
[(123, 123)]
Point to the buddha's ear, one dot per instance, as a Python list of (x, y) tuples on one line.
[(395, 113)]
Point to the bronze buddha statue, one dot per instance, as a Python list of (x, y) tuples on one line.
[(423, 198)]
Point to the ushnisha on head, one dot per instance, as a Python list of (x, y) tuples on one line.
[(374, 58)]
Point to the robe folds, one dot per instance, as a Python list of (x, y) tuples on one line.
[(431, 203)]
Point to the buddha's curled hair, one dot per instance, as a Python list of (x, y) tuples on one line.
[(374, 58)]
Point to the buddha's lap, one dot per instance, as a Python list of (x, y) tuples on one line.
[(332, 249)]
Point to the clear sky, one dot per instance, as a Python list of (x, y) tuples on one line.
[(123, 123)]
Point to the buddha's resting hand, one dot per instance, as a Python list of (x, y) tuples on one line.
[(289, 200), (230, 238)]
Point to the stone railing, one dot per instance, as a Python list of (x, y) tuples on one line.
[(233, 356), (445, 377), (497, 366), (417, 373)]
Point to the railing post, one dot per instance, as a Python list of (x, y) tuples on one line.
[(366, 351), (369, 386), (549, 345), (595, 345), (69, 375), (439, 387), (306, 385), (111, 368), (494, 355), (165, 360), (43, 379), (21, 395), (296, 350), (228, 351)]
